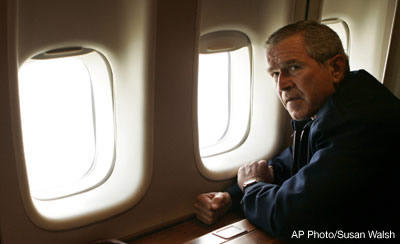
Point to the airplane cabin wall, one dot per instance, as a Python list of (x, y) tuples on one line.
[(169, 69)]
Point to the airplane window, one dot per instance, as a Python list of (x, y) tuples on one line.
[(67, 122), (224, 91), (342, 29)]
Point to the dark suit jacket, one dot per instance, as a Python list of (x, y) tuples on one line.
[(346, 176)]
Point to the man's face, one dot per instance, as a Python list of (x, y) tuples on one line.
[(302, 84)]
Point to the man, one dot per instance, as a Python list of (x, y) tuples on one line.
[(340, 173)]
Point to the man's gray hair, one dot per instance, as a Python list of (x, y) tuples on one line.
[(320, 41)]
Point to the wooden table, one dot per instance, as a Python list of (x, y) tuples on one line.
[(239, 232), (184, 231), (192, 231)]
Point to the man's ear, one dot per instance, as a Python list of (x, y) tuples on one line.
[(338, 66)]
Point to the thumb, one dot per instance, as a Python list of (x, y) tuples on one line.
[(218, 201)]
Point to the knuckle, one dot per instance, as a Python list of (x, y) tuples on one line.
[(202, 198), (262, 163)]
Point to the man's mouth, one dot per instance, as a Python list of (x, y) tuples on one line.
[(291, 99)]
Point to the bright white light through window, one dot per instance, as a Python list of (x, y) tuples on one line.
[(213, 90), (56, 100), (224, 88), (59, 115)]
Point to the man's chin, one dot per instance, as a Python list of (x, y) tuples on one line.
[(298, 116)]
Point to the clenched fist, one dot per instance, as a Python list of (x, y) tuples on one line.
[(210, 206)]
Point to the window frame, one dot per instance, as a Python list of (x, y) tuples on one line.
[(227, 41), (101, 83)]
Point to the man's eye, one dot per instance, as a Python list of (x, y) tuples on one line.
[(294, 67)]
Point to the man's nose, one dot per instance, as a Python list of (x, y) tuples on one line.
[(285, 82)]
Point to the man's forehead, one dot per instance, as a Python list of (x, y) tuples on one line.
[(286, 51), (272, 61), (285, 56)]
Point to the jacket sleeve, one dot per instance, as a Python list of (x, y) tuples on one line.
[(282, 165), (327, 194), (236, 196)]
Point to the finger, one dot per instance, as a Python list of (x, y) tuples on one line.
[(203, 211), (204, 200), (205, 216)]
